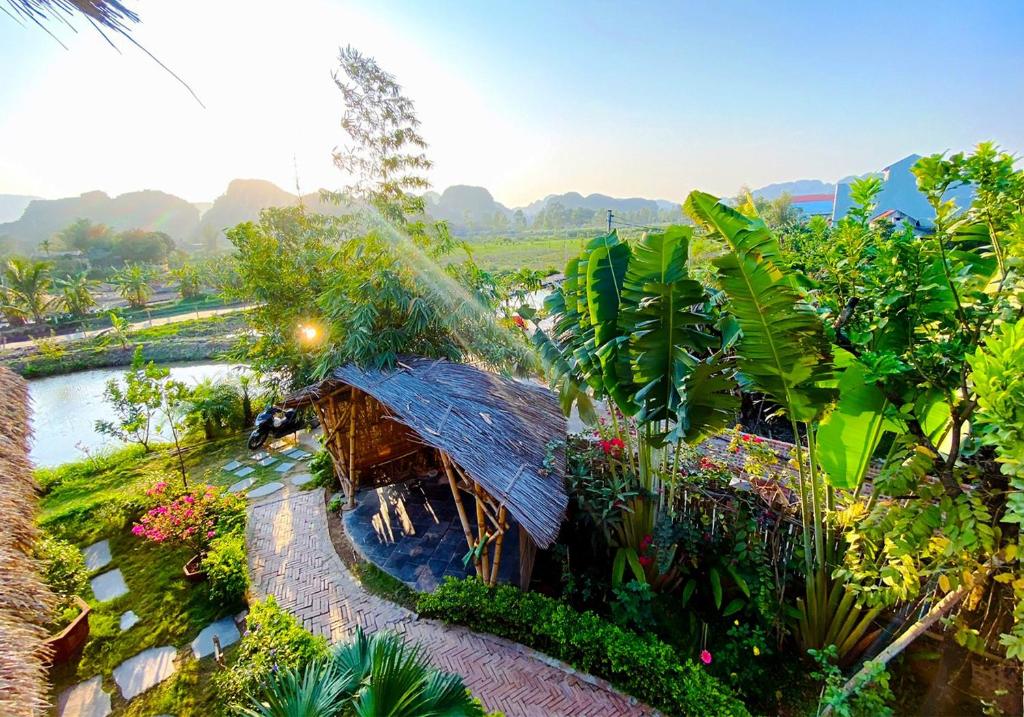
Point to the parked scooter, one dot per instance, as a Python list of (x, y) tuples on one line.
[(273, 421)]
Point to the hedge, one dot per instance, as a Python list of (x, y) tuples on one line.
[(640, 665)]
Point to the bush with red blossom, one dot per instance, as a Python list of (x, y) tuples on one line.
[(190, 519)]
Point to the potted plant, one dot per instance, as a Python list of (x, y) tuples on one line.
[(63, 568), (190, 520)]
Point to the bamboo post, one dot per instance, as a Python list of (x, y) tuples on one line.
[(463, 518), (481, 529), (497, 546), (352, 454)]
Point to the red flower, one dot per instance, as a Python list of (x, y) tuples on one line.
[(705, 657), (518, 320), (746, 437), (758, 439), (646, 560)]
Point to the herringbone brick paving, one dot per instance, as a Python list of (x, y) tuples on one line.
[(292, 558)]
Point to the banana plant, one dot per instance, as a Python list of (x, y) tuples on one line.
[(784, 353)]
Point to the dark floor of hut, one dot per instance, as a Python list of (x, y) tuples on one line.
[(412, 531)]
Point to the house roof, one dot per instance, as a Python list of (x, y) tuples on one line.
[(25, 602), (507, 435)]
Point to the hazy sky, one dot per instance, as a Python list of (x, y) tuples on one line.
[(526, 98)]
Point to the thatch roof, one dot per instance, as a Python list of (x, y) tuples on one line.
[(25, 602), (497, 429)]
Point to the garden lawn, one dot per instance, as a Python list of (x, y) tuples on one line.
[(98, 498)]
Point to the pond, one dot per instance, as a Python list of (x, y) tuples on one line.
[(65, 409)]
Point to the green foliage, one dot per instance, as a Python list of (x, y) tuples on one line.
[(322, 469), (640, 665), (869, 697), (133, 284), (384, 584), (62, 566), (214, 407), (226, 569), (76, 293), (273, 641), (136, 403), (26, 285), (334, 505)]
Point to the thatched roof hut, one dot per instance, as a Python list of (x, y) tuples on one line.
[(25, 602), (499, 440)]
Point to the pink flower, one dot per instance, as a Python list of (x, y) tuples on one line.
[(705, 657), (758, 439), (138, 530), (210, 533)]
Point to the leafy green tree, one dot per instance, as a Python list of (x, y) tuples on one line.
[(189, 280), (139, 246), (133, 284), (214, 406), (135, 404), (27, 285), (76, 293), (386, 156)]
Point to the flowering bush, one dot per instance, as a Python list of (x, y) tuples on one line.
[(759, 458), (189, 519)]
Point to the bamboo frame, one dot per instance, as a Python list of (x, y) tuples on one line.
[(463, 518)]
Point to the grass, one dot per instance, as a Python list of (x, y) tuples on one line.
[(529, 253), (384, 585), (97, 498)]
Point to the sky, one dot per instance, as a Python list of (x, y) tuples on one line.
[(526, 98)]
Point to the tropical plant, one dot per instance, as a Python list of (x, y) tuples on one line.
[(370, 676), (213, 406), (136, 404), (133, 285), (189, 280), (76, 293), (226, 568), (27, 285)]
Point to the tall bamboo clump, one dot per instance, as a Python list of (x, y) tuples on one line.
[(25, 602)]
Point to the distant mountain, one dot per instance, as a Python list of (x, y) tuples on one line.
[(462, 205), (12, 206), (242, 202), (149, 210), (597, 202), (798, 188)]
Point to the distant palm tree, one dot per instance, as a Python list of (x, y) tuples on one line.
[(133, 285), (76, 293), (370, 676), (27, 287), (189, 280)]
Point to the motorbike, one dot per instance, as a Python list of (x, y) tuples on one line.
[(273, 421)]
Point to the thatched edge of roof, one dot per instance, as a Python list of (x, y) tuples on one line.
[(25, 602)]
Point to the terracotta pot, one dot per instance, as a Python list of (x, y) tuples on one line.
[(193, 573), (64, 645)]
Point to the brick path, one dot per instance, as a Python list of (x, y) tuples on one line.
[(291, 557)]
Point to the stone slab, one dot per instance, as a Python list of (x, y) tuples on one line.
[(150, 667), (259, 456), (244, 471), (267, 461), (109, 585), (241, 485), (284, 467), (224, 629), (302, 479), (265, 489), (128, 619), (291, 452), (97, 555), (86, 699), (232, 466)]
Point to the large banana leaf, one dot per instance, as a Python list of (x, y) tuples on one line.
[(606, 271), (660, 314), (848, 437), (709, 401), (783, 350)]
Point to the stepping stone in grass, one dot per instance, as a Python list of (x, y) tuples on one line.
[(97, 555), (150, 667), (302, 479), (128, 619), (291, 452), (244, 471), (240, 485), (109, 585), (301, 455), (259, 456), (265, 490), (232, 466), (224, 629), (285, 467), (268, 461), (86, 699)]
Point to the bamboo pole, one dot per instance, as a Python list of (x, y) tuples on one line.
[(352, 454), (497, 546), (463, 518), (481, 529)]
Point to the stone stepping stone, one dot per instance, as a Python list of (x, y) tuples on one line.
[(268, 461), (301, 455), (284, 467), (291, 452), (224, 629), (265, 490), (109, 585), (150, 667), (97, 555), (244, 471), (241, 485), (259, 456), (302, 479), (128, 619), (86, 699), (232, 466)]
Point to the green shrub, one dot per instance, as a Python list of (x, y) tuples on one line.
[(641, 665), (63, 568), (322, 468), (335, 504), (273, 641), (226, 569)]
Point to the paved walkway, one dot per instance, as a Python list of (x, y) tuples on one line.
[(292, 558)]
